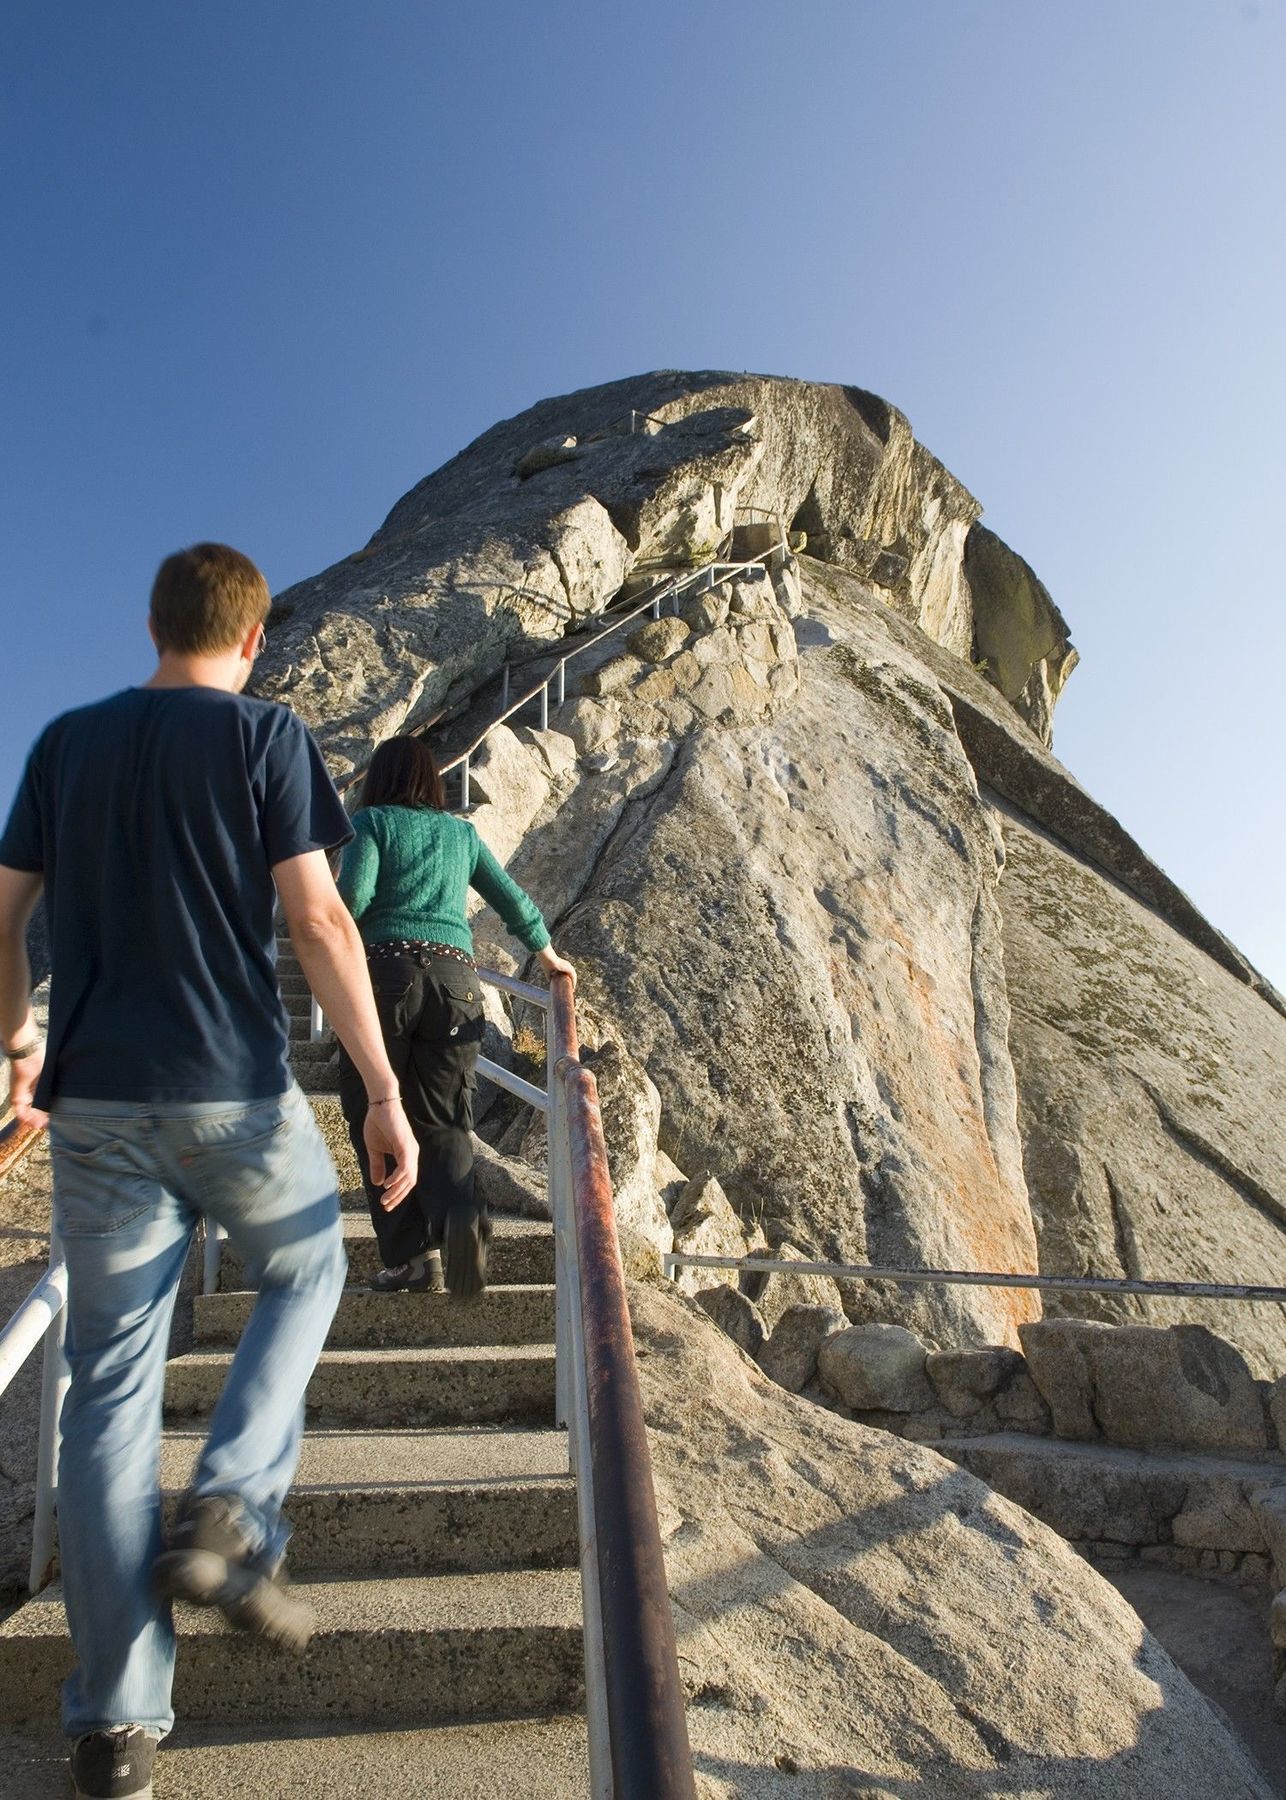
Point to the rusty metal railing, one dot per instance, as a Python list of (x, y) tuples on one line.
[(638, 1735), (16, 1141)]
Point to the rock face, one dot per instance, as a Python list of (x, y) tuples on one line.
[(858, 1617), (540, 520), (1152, 1098), (896, 982), (838, 1032)]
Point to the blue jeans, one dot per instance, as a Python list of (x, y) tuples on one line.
[(130, 1182)]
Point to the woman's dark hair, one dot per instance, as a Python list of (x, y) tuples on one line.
[(403, 772)]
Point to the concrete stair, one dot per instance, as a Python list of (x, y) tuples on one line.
[(522, 1253), (499, 1759), (508, 1315), (493, 1384), (403, 1649), (435, 1536)]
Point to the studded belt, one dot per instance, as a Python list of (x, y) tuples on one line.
[(419, 950)]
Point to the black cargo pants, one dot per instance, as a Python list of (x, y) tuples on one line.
[(430, 1009)]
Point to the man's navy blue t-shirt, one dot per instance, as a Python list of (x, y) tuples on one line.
[(156, 817)]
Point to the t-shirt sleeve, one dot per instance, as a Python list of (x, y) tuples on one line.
[(359, 871), (499, 889), (22, 845), (300, 810)]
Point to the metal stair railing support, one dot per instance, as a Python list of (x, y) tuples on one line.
[(42, 1316)]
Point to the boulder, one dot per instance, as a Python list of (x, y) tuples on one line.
[(707, 610), (590, 723), (789, 1356), (1146, 1387), (965, 1380), (557, 750), (876, 1368), (508, 1185), (548, 455), (611, 677), (1020, 1406), (704, 1224), (631, 1111), (509, 781), (773, 1293), (854, 1614), (736, 1316), (659, 638), (1019, 635)]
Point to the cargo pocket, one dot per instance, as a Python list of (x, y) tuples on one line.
[(458, 1017)]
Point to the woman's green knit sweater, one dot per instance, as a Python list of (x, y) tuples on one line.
[(407, 873)]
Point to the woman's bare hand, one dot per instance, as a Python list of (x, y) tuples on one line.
[(389, 1138), (554, 964)]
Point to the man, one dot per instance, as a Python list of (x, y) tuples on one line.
[(159, 822)]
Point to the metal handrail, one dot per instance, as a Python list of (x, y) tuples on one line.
[(1059, 1284), (669, 588), (16, 1142), (638, 1735)]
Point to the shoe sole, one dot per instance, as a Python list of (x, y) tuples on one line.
[(138, 1794), (248, 1600)]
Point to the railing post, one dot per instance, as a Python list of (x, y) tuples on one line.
[(656, 607), (544, 707), (212, 1256), (464, 783), (316, 1021), (55, 1377), (504, 687), (562, 681)]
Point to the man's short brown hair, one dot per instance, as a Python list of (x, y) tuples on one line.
[(205, 600)]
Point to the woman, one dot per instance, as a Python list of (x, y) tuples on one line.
[(405, 878)]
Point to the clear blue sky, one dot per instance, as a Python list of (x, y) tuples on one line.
[(266, 266)]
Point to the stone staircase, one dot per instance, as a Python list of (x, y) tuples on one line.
[(435, 1537)]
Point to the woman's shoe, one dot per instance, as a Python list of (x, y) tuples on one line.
[(404, 1275)]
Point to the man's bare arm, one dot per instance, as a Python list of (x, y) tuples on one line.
[(19, 892), (331, 955)]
